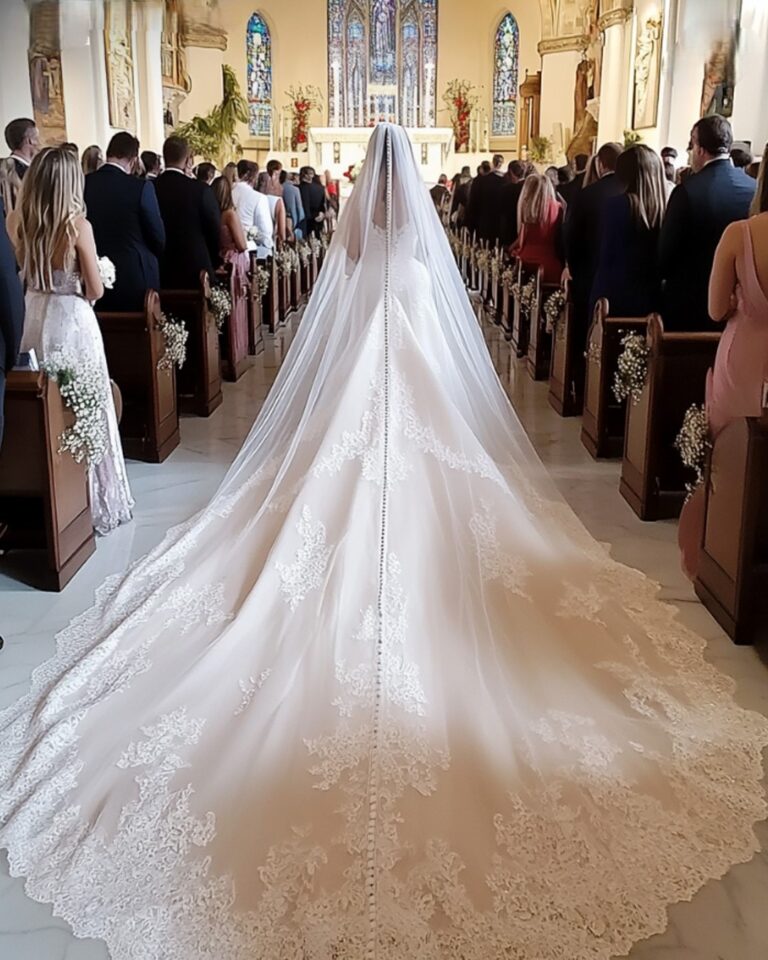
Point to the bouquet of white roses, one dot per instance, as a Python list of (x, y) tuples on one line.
[(107, 272)]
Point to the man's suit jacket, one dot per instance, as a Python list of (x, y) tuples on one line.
[(484, 208), (128, 229), (313, 201), (11, 310), (509, 202), (568, 191), (192, 230), (698, 212), (294, 208)]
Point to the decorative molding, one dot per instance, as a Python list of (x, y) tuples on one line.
[(561, 44), (195, 33), (614, 18)]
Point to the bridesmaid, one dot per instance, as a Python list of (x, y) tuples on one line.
[(233, 248), (736, 386)]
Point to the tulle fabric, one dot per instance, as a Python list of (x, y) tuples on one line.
[(384, 697)]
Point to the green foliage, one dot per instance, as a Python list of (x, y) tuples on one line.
[(540, 150), (631, 137), (214, 137)]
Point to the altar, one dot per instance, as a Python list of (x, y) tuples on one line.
[(338, 148)]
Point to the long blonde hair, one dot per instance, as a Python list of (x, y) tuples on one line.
[(641, 173), (535, 200), (49, 206)]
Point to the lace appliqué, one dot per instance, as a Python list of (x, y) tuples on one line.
[(307, 571), (495, 563), (582, 603), (190, 606), (249, 688)]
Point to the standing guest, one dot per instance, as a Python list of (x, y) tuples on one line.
[(440, 194), (699, 210), (331, 193), (670, 172), (253, 209), (127, 225), (230, 172), (628, 268), (738, 298), (59, 264), (539, 241), (93, 159), (461, 198), (553, 176), (313, 201), (191, 217), (509, 202), (569, 189), (205, 172), (293, 206), (24, 143), (741, 158), (484, 210), (591, 174), (669, 153), (11, 311), (273, 187), (266, 186), (753, 170), (152, 163), (233, 249)]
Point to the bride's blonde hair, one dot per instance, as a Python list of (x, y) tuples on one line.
[(49, 205)]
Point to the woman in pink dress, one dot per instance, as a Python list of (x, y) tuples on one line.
[(539, 238), (737, 385), (233, 248)]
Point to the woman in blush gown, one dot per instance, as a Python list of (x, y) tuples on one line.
[(384, 697), (57, 254), (737, 386), (233, 249)]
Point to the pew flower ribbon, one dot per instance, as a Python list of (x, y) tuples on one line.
[(107, 272), (526, 294), (82, 387), (221, 305), (175, 334), (553, 309), (693, 443), (631, 368)]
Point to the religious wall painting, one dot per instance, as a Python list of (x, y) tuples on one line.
[(118, 49), (259, 51), (45, 76), (720, 77), (645, 106), (506, 57)]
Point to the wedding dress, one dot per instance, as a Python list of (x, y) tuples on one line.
[(61, 324), (384, 697)]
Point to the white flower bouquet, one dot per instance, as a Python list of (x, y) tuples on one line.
[(175, 334), (252, 234), (631, 368), (693, 443), (553, 309), (107, 272), (262, 279), (82, 388), (220, 303)]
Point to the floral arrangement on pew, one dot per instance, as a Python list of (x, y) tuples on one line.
[(175, 334), (508, 277), (554, 306), (315, 246), (303, 100), (220, 303), (262, 278), (483, 259), (693, 442), (287, 261), (305, 253), (461, 100), (631, 368), (526, 294), (81, 385)]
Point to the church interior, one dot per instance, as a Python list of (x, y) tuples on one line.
[(609, 397)]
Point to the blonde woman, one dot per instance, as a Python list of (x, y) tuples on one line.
[(93, 159), (540, 225), (57, 254)]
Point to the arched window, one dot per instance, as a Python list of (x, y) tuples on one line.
[(506, 50), (259, 77)]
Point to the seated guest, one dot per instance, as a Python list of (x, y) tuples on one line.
[(23, 141), (509, 201), (293, 206), (93, 159), (253, 209), (484, 208), (205, 172), (699, 210), (153, 165), (127, 225), (11, 310), (539, 240), (265, 186), (627, 269), (191, 217), (313, 201), (738, 297)]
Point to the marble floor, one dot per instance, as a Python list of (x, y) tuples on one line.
[(727, 920)]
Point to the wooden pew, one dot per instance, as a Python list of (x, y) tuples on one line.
[(43, 493), (134, 345), (199, 381), (566, 371), (539, 339), (505, 318), (255, 313), (732, 578), (270, 304), (234, 337), (653, 478), (602, 430), (521, 323)]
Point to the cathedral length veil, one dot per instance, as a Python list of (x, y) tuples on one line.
[(384, 697)]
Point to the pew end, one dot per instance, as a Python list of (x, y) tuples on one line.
[(566, 370), (234, 337), (539, 354)]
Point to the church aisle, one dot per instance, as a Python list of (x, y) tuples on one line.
[(726, 921)]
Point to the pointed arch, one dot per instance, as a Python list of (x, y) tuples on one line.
[(259, 51), (506, 59)]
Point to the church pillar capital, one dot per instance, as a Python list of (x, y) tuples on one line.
[(614, 18), (561, 44)]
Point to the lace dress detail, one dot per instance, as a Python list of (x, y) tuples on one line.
[(63, 323)]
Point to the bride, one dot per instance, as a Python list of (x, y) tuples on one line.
[(384, 697)]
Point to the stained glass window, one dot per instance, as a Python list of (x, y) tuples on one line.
[(259, 77), (382, 57), (505, 78)]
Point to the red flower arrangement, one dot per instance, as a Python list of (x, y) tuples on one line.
[(303, 100), (461, 100)]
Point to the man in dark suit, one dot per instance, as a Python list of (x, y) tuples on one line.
[(698, 212), (583, 224), (569, 189), (510, 200), (192, 220), (127, 225), (484, 209), (11, 310), (460, 197), (313, 201), (24, 143)]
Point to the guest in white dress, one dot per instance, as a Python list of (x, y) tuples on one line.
[(56, 250), (273, 191)]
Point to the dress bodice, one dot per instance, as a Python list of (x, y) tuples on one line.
[(65, 283)]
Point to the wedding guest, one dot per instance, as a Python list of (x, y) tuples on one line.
[(461, 198), (266, 186), (552, 175), (293, 205), (628, 268), (569, 188), (440, 194), (127, 225), (669, 171), (539, 240), (313, 201), (741, 158), (699, 210), (230, 172), (191, 217), (669, 153), (233, 249), (152, 163), (484, 209), (59, 264), (591, 174), (331, 193), (205, 173), (753, 170), (11, 311), (93, 159), (253, 209), (738, 298), (23, 141), (509, 202)]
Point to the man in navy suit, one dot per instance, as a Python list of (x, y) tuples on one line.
[(698, 212), (127, 225), (11, 310)]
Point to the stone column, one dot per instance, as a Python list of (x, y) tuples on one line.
[(616, 85), (149, 73), (560, 57), (15, 94), (85, 73)]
